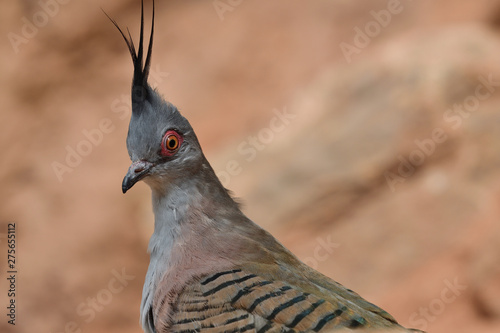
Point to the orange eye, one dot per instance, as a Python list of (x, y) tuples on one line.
[(170, 143)]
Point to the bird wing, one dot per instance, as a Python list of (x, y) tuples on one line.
[(240, 300)]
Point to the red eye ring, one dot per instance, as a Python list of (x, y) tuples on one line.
[(170, 143)]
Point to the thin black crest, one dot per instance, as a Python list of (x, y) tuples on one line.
[(141, 73)]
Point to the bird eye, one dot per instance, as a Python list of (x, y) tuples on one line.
[(170, 143)]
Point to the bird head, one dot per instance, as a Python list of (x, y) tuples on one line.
[(160, 141)]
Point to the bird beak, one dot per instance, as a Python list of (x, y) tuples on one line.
[(137, 171)]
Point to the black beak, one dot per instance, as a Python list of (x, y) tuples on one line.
[(137, 171)]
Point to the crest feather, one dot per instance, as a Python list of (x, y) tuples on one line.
[(141, 72)]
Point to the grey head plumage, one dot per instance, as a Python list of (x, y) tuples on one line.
[(161, 143)]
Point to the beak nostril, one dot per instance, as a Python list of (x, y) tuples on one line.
[(137, 171)]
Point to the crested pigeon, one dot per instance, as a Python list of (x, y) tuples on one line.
[(211, 268)]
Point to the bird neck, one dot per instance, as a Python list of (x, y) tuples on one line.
[(195, 202), (194, 218)]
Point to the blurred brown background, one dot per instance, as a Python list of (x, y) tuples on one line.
[(381, 172)]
